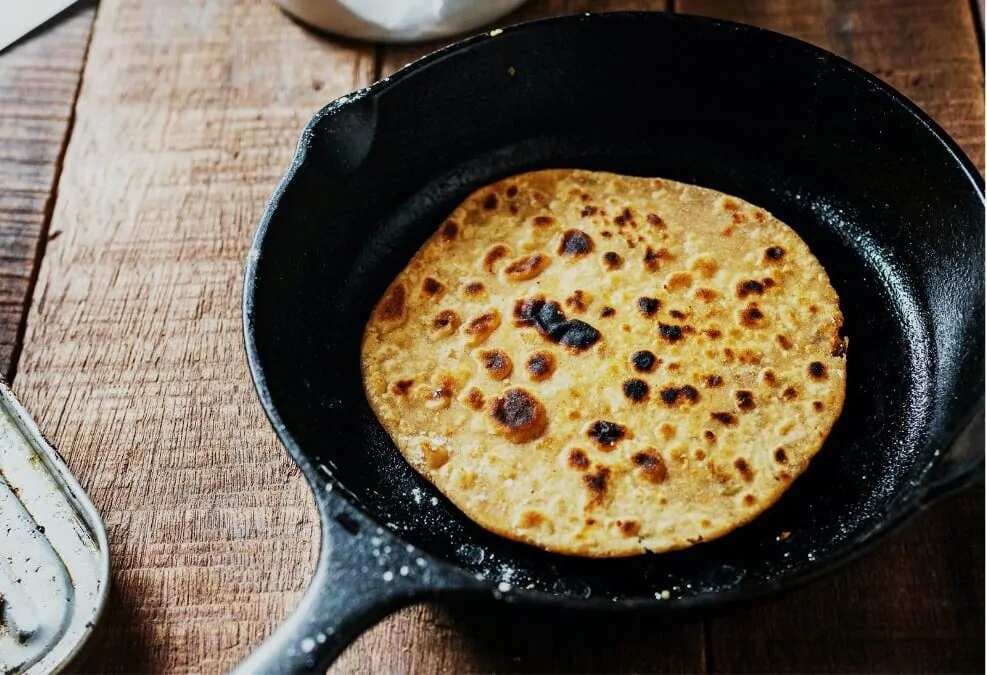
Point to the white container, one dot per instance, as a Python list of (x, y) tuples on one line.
[(398, 20)]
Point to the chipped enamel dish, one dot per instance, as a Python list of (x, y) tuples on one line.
[(54, 560)]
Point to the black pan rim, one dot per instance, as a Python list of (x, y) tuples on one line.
[(854, 549)]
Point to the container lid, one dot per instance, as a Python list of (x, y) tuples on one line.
[(54, 560)]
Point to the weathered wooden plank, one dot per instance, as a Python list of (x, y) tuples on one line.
[(133, 360), (917, 603), (39, 79)]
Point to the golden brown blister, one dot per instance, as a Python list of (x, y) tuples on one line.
[(603, 365)]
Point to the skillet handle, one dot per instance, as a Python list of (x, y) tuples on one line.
[(961, 465), (364, 573)]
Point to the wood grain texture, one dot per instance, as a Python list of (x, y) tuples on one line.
[(917, 603), (39, 79), (133, 360)]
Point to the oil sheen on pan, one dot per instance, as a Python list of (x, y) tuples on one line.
[(603, 365)]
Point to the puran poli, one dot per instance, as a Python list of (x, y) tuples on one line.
[(603, 365)]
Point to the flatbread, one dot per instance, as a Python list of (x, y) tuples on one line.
[(603, 365)]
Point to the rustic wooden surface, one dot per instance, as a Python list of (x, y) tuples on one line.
[(39, 80), (132, 361)]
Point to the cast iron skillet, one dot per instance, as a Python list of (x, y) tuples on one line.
[(890, 205)]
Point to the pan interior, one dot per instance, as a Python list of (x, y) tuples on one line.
[(888, 209)]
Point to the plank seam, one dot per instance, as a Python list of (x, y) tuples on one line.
[(49, 211)]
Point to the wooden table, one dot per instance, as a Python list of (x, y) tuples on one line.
[(138, 143)]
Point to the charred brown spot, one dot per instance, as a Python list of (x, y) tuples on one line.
[(674, 366), (769, 378), (730, 205), (401, 387), (667, 431), (446, 322), (738, 218), (482, 326), (575, 243), (636, 390), (625, 217), (540, 366), (774, 253), (750, 357), (607, 312), (629, 528), (709, 436), (790, 394), (577, 301), (474, 398), (449, 230), (768, 282), (818, 406), (606, 234), (670, 333), (589, 210), (713, 333), (490, 202), (750, 500), (578, 459), (712, 381), (648, 306), (392, 307), (542, 221), (493, 254), (838, 348), (673, 395), (653, 258), (531, 519), (597, 482), (780, 456), (518, 415), (526, 267), (474, 288), (643, 361), (612, 260), (432, 286), (497, 363), (724, 418), (551, 322), (606, 434), (745, 400), (441, 395), (783, 342), (676, 314), (706, 294), (817, 371), (700, 455), (652, 465), (745, 470), (511, 191), (751, 316), (749, 287), (655, 219)]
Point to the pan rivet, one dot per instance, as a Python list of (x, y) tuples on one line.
[(403, 571), (388, 575)]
